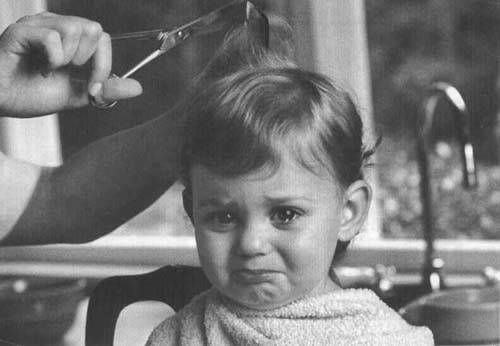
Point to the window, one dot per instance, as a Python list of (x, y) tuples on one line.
[(409, 45), (413, 44)]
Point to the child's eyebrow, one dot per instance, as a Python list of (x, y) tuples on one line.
[(214, 202), (285, 199)]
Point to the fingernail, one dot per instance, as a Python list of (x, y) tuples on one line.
[(95, 89)]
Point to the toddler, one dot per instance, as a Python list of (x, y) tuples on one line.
[(272, 164)]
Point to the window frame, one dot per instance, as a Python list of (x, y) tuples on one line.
[(129, 254)]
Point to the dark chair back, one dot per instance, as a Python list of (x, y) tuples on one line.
[(173, 285)]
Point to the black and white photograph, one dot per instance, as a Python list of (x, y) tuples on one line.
[(249, 172)]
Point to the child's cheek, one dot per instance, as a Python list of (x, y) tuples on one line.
[(213, 250)]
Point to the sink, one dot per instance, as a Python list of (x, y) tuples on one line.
[(458, 316), (37, 310)]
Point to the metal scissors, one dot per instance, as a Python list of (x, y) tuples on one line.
[(231, 14)]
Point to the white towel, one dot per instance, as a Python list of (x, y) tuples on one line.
[(343, 317)]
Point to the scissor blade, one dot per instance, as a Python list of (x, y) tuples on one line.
[(257, 24), (210, 22), (224, 17), (138, 35), (231, 15)]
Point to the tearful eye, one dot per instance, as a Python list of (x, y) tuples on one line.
[(223, 217), (285, 215), (219, 220)]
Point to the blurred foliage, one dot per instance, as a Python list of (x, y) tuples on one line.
[(458, 213), (416, 42), (412, 44)]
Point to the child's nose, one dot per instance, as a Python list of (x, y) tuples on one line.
[(253, 240)]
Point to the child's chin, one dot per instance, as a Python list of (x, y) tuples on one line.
[(260, 306), (258, 302)]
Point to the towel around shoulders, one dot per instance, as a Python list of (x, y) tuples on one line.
[(343, 317)]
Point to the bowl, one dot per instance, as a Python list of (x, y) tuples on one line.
[(458, 316), (38, 310)]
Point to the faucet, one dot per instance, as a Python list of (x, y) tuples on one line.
[(432, 277)]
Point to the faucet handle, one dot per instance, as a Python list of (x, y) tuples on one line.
[(470, 175), (491, 276), (384, 279), (432, 276)]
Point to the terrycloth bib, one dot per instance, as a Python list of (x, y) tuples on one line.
[(343, 317)]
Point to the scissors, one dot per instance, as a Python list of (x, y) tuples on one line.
[(231, 14)]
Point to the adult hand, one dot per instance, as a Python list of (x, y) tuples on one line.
[(37, 58)]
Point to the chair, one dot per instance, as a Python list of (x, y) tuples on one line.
[(173, 285)]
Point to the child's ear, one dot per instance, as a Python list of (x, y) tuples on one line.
[(187, 202), (357, 200)]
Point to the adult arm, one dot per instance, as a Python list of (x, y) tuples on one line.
[(106, 183), (95, 191)]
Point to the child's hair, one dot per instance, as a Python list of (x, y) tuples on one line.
[(244, 120)]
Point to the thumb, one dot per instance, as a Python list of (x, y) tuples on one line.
[(115, 89)]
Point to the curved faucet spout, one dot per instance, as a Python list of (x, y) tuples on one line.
[(432, 279), (462, 123)]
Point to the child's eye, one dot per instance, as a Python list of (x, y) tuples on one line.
[(224, 218), (285, 215)]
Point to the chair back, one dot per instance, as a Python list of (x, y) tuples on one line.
[(172, 285)]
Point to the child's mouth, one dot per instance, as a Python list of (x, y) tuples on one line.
[(248, 276)]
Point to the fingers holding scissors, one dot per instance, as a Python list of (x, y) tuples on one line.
[(35, 52), (77, 41), (105, 90), (105, 94)]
